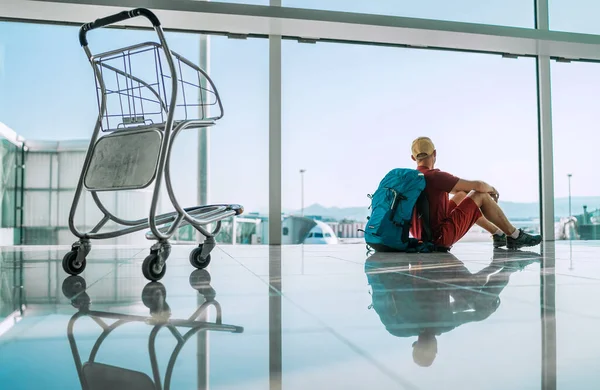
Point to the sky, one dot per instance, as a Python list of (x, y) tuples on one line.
[(350, 112)]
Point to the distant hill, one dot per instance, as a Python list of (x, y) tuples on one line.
[(514, 210)]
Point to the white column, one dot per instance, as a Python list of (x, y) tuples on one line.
[(275, 136), (545, 130), (203, 341), (203, 134)]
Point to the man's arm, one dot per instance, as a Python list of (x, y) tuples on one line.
[(473, 185), (453, 184)]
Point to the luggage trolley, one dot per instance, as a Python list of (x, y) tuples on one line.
[(140, 115), (94, 375)]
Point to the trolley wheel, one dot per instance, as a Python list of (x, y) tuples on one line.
[(72, 286), (69, 264), (199, 278), (154, 297), (196, 259), (200, 281), (151, 270), (81, 301)]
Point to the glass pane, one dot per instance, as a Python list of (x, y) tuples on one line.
[(516, 13), (575, 120), (9, 153), (346, 123), (61, 109), (574, 16), (239, 143)]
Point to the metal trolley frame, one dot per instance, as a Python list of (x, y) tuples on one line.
[(94, 375), (140, 115)]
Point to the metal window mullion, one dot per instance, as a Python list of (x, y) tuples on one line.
[(546, 176), (275, 140), (275, 255), (545, 148), (546, 163), (275, 136), (203, 338), (203, 134)]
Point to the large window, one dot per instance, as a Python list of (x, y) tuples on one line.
[(575, 89), (239, 143), (350, 113), (49, 94), (10, 195), (516, 13), (575, 16)]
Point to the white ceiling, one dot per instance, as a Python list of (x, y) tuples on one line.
[(202, 16)]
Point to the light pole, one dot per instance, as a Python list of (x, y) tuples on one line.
[(569, 176), (302, 189), (570, 255)]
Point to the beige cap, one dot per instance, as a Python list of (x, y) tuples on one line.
[(422, 148)]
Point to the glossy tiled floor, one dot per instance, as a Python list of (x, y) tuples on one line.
[(319, 317)]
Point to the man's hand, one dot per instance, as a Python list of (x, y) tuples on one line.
[(495, 194), (485, 187)]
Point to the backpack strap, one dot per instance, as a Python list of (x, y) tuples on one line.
[(398, 197), (423, 213), (405, 231)]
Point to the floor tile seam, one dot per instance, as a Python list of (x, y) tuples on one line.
[(312, 315), (342, 259), (88, 286), (477, 291), (311, 274), (454, 286), (103, 276), (310, 257), (340, 338), (359, 351), (267, 283), (549, 273), (362, 262)]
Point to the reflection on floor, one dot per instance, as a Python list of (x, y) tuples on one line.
[(303, 317)]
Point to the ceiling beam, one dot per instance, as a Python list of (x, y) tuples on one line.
[(314, 25)]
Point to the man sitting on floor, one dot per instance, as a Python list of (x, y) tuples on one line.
[(474, 202)]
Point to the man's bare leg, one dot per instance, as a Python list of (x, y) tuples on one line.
[(492, 212), (515, 238), (487, 225), (481, 222)]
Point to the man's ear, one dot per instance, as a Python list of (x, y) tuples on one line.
[(434, 153), (413, 157)]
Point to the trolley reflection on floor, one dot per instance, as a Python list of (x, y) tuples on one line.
[(93, 375)]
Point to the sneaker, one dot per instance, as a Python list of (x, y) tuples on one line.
[(524, 239), (499, 241)]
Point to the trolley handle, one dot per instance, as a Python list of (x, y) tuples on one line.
[(116, 18)]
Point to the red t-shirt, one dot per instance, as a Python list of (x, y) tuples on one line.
[(438, 185)]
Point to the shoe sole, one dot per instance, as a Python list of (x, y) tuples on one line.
[(499, 244), (509, 246)]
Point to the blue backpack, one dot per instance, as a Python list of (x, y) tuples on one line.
[(393, 205)]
